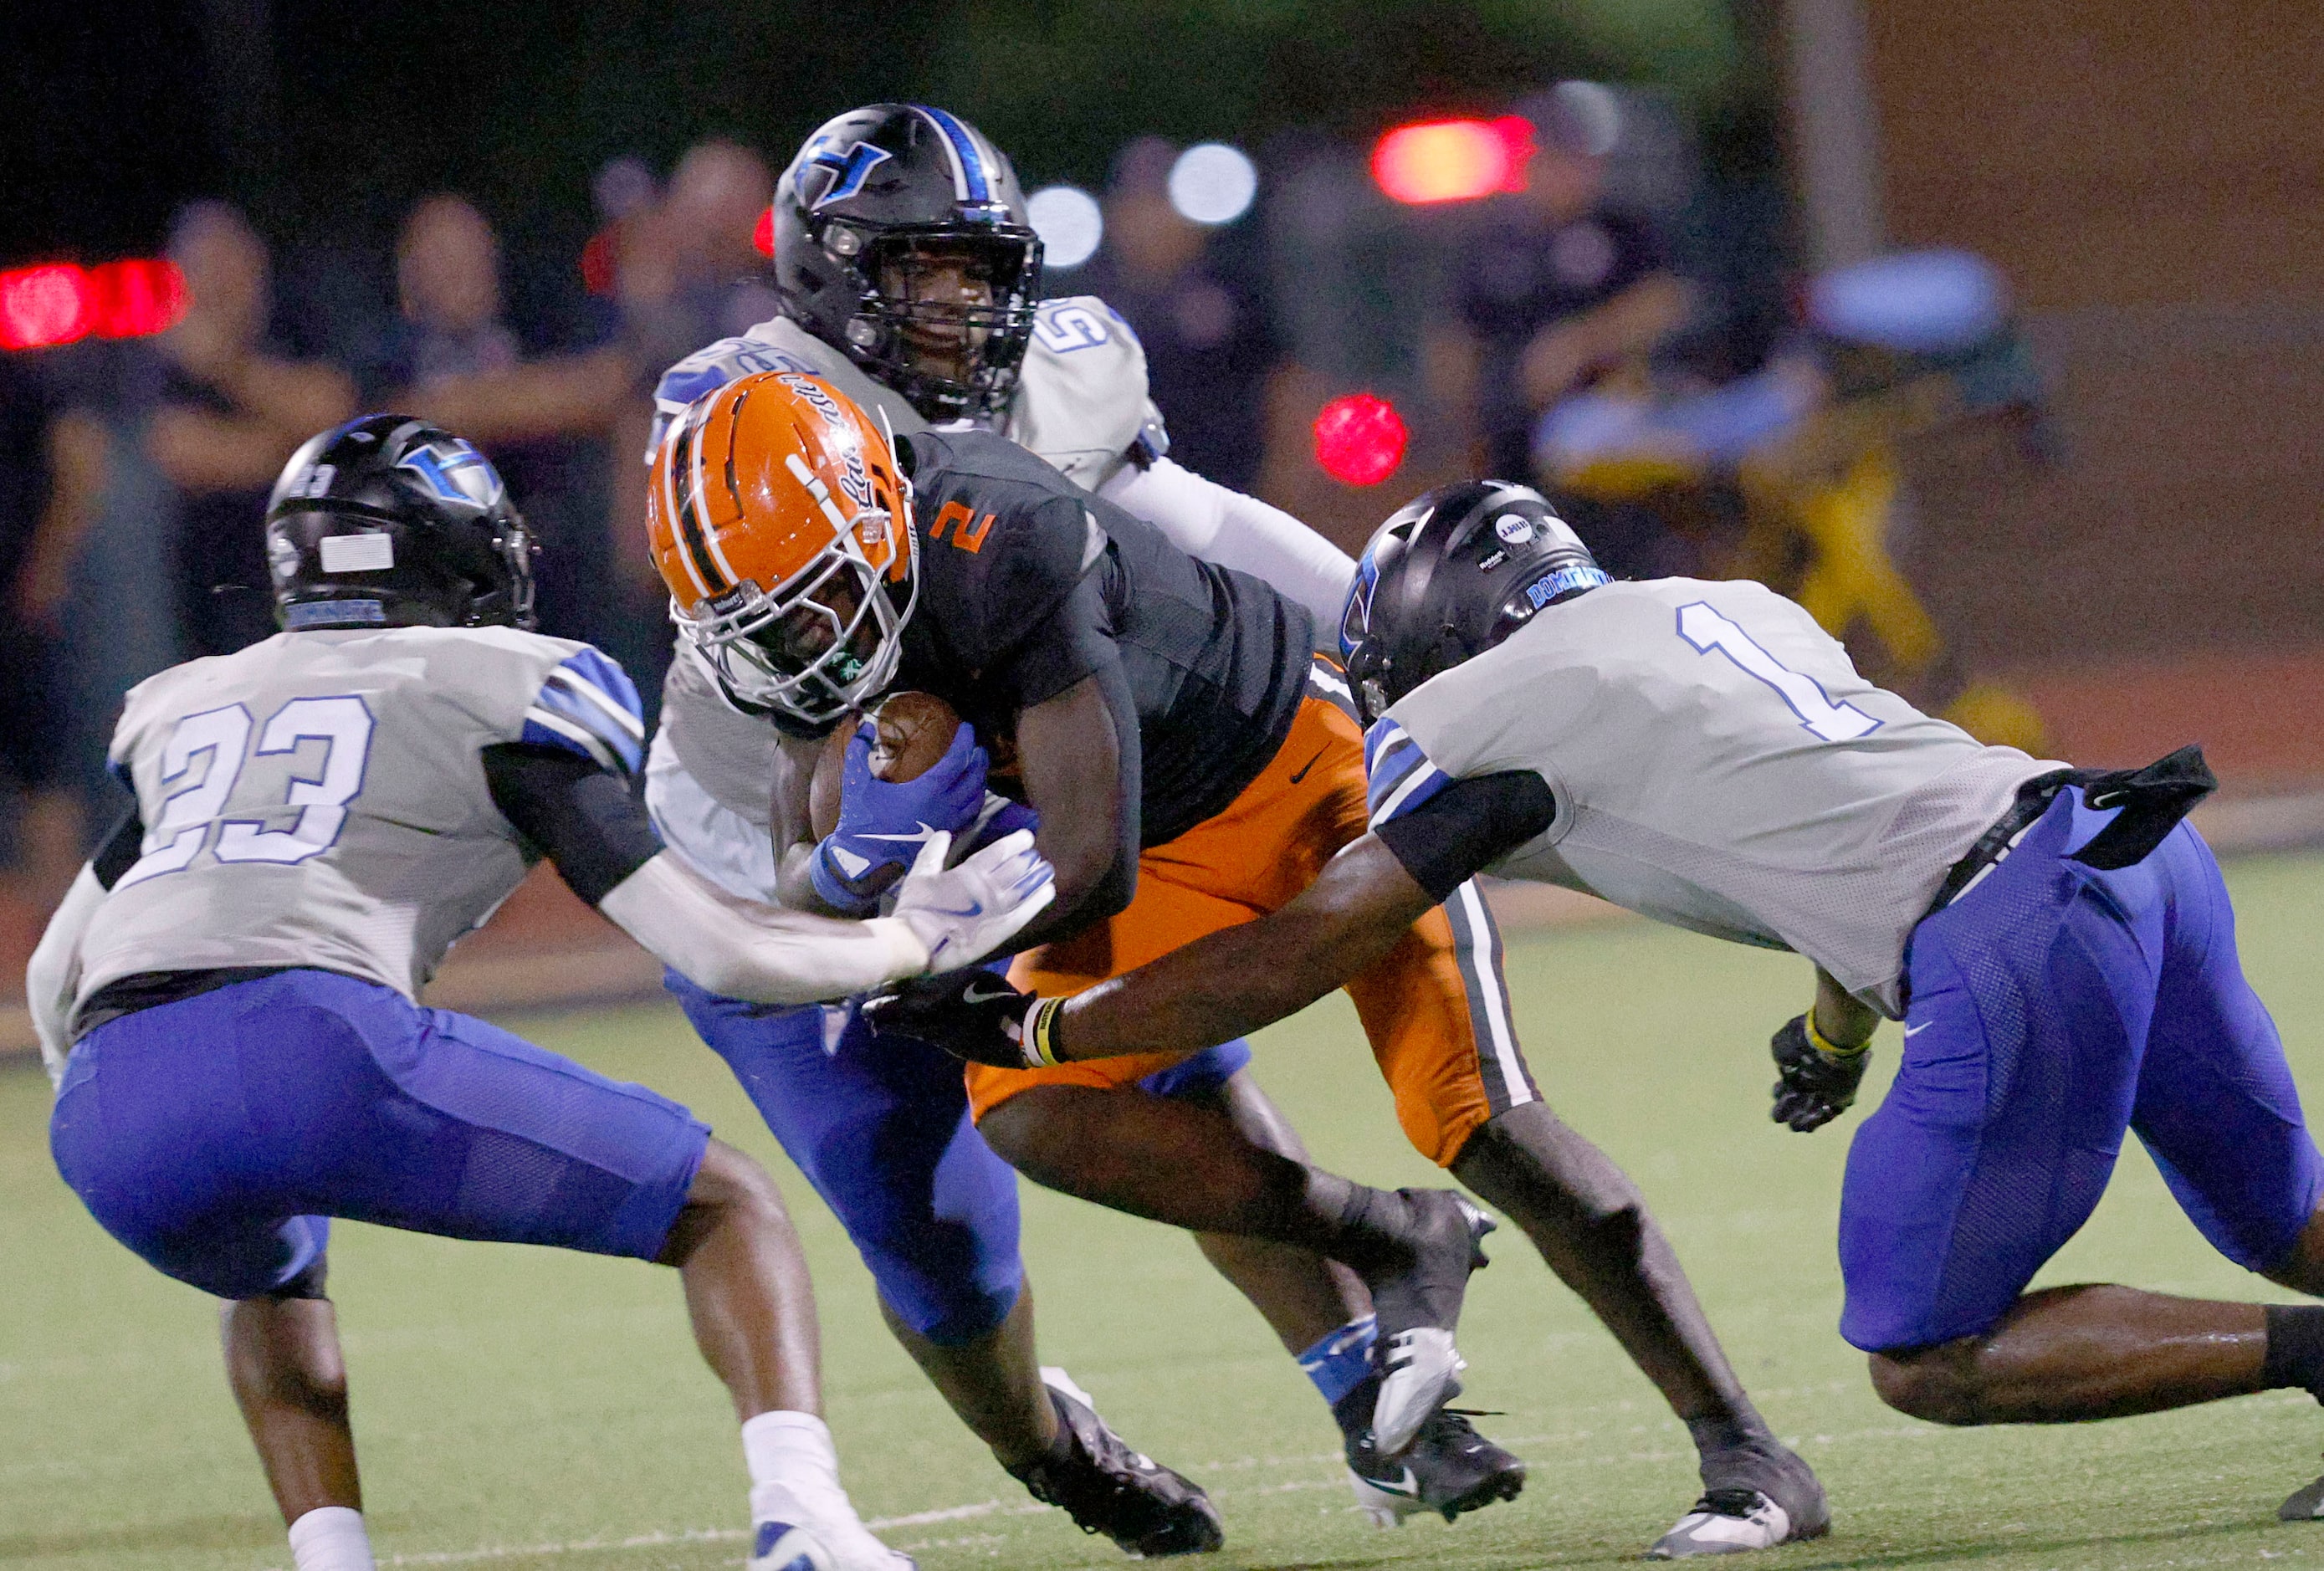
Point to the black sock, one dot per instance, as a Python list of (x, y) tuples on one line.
[(1374, 1225), (2295, 1348), (1354, 1410)]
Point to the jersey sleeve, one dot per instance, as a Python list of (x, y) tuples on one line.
[(1444, 830), (710, 368), (587, 705), (1082, 396)]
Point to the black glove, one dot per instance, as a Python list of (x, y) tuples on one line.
[(974, 1015), (1817, 1087)]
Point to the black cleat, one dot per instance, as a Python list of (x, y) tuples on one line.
[(1450, 1468), (1755, 1497), (1108, 1488), (1418, 1309)]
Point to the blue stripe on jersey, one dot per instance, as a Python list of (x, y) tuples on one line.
[(964, 143), (1399, 775), (588, 706), (683, 383)]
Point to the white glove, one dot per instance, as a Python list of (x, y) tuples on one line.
[(964, 913)]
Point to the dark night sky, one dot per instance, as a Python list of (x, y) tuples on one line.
[(111, 123)]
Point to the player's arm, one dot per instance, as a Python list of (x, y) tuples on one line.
[(1238, 980), (585, 818), (53, 976), (1078, 756), (1206, 520)]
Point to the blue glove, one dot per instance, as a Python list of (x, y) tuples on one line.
[(882, 824)]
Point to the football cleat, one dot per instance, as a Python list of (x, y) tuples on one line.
[(1418, 1308), (1106, 1487), (1728, 1522), (781, 1546), (1450, 1469), (813, 1527), (2305, 1505)]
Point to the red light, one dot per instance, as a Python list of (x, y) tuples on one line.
[(134, 299), (601, 261), (1360, 438), (1453, 160), (763, 236), (44, 306)]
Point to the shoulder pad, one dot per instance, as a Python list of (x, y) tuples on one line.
[(1081, 400)]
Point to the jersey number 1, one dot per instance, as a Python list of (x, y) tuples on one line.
[(204, 758), (1707, 630)]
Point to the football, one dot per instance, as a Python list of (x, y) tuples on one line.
[(910, 731)]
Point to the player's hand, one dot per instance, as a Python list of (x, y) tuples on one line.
[(882, 824), (964, 913), (1817, 1087), (976, 1016)]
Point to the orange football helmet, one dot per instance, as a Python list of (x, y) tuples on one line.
[(783, 528)]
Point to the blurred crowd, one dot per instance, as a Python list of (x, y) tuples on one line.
[(133, 474)]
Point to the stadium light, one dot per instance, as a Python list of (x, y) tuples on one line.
[(1069, 223), (137, 298), (42, 307), (1213, 183), (762, 234), (57, 303), (1360, 438), (1453, 160)]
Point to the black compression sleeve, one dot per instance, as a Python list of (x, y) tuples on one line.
[(119, 853), (1469, 826), (576, 814)]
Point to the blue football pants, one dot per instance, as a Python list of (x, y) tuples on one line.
[(2055, 1005), (217, 1135)]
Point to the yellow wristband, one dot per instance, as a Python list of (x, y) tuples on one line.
[(1041, 1033), (1823, 1044)]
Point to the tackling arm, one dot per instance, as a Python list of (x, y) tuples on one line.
[(1206, 520)]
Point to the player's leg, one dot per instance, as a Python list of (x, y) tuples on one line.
[(880, 1128), (2215, 1103)]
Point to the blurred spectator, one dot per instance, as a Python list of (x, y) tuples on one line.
[(227, 412), (1560, 286), (689, 272), (40, 843), (1210, 348), (452, 358)]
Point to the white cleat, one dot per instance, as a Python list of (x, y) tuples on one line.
[(1731, 1522), (812, 1525), (1423, 1374)]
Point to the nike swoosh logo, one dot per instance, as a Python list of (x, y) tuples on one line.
[(1407, 1486), (1309, 765), (919, 835), (1912, 1030), (975, 910), (971, 995)]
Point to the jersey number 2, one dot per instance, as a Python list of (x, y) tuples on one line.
[(1707, 630), (204, 758)]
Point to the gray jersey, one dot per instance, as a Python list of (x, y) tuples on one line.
[(1080, 403), (319, 799), (1717, 763)]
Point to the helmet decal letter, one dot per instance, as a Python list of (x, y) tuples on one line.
[(850, 167)]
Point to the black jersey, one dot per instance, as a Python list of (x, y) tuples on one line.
[(1029, 583)]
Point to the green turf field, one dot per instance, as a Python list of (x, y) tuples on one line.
[(520, 1408)]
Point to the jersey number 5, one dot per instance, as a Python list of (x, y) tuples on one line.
[(205, 756), (1707, 630)]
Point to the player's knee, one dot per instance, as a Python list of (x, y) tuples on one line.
[(1938, 1385), (729, 1190)]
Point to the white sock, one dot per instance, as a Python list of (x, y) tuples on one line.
[(788, 1448), (331, 1538)]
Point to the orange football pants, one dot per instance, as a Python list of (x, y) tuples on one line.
[(1434, 1007)]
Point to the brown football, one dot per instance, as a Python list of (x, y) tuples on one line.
[(910, 731)]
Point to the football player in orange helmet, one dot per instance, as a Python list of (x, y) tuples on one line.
[(1191, 768)]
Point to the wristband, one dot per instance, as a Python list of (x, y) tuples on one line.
[(1823, 1045), (1042, 1048)]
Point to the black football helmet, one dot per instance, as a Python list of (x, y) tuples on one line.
[(388, 521), (872, 200), (1449, 575)]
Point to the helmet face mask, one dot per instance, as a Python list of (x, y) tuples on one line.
[(1448, 577), (781, 525), (900, 239)]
